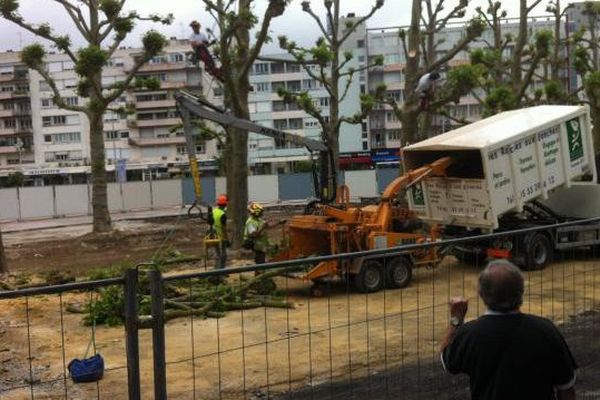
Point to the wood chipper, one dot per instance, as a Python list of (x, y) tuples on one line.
[(340, 228)]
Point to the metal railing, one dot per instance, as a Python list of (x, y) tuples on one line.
[(344, 344)]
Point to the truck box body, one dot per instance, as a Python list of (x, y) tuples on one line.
[(500, 163)]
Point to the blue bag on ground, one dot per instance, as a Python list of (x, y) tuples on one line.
[(87, 370)]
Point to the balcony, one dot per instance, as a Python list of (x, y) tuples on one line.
[(164, 67), (13, 78), (146, 123), (8, 150), (154, 142), (170, 103), (14, 113), (14, 95)]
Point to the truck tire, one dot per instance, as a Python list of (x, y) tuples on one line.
[(538, 252), (370, 277), (398, 272)]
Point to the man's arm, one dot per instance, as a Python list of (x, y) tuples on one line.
[(458, 310)]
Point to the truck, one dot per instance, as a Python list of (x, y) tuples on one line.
[(516, 169)]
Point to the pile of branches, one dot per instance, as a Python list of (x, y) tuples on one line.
[(204, 298)]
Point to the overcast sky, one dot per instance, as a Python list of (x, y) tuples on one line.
[(294, 23)]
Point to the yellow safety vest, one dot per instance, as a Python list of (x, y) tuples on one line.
[(217, 214)]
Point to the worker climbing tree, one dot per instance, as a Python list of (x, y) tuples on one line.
[(200, 44)]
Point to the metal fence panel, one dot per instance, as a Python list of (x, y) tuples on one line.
[(115, 200), (136, 195), (9, 204), (208, 190), (361, 183), (263, 188), (166, 193), (295, 186), (384, 177), (36, 202), (72, 200)]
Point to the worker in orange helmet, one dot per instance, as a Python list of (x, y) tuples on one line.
[(218, 220)]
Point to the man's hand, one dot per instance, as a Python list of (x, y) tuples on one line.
[(458, 308)]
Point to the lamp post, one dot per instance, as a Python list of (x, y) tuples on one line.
[(19, 145)]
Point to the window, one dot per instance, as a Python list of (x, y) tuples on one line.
[(276, 85), (7, 88), (201, 147), (308, 84), (261, 69), (295, 123), (263, 87), (72, 101), (25, 123), (68, 65), (9, 106), (54, 120), (176, 57), (111, 135), (292, 67), (181, 150), (294, 86), (279, 106), (324, 101), (360, 43), (280, 124), (277, 68), (62, 138), (394, 134), (124, 134), (10, 123)]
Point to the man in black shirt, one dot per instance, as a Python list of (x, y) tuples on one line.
[(507, 354)]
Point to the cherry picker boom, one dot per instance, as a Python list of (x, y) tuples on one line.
[(191, 106)]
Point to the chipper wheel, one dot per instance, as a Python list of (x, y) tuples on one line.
[(398, 272), (370, 277)]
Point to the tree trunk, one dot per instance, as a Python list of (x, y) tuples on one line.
[(3, 265), (410, 114), (516, 68), (101, 216)]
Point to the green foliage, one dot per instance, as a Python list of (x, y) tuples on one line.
[(108, 309), (501, 98), (83, 87), (63, 42), (43, 30), (153, 42), (460, 81), (476, 27), (90, 61), (591, 83), (8, 7), (581, 60), (543, 42), (321, 52), (554, 91), (33, 55), (150, 83), (15, 179), (122, 27), (110, 8)]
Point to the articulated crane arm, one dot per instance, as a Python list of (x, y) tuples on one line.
[(383, 216), (191, 106)]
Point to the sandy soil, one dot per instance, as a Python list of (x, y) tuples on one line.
[(265, 353)]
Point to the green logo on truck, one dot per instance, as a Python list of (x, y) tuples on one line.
[(575, 139), (418, 197)]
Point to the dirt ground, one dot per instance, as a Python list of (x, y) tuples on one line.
[(314, 350)]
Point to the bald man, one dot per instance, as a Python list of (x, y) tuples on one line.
[(507, 354)]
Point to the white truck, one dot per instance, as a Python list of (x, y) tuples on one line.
[(512, 170)]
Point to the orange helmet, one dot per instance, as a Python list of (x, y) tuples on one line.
[(222, 200)]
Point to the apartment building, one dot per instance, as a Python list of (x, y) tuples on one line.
[(16, 133)]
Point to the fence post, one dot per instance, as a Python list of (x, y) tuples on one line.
[(131, 331), (158, 334), (20, 216)]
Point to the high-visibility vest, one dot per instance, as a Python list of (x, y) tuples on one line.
[(217, 224), (261, 243)]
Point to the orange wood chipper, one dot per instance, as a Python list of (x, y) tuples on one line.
[(340, 228)]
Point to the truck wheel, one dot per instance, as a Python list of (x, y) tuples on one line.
[(370, 277), (539, 252), (398, 272)]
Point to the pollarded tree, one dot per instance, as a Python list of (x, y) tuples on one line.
[(237, 53), (587, 63), (420, 45), (103, 25), (510, 75), (334, 73)]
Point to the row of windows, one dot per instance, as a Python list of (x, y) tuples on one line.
[(200, 149), (26, 142), (115, 135), (59, 120), (63, 138), (168, 58), (12, 88), (51, 156), (151, 97), (275, 68), (157, 115), (23, 107), (70, 100), (22, 124)]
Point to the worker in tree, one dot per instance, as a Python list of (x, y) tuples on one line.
[(255, 233), (200, 43), (426, 88), (218, 220)]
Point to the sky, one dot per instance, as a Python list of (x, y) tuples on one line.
[(294, 23)]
